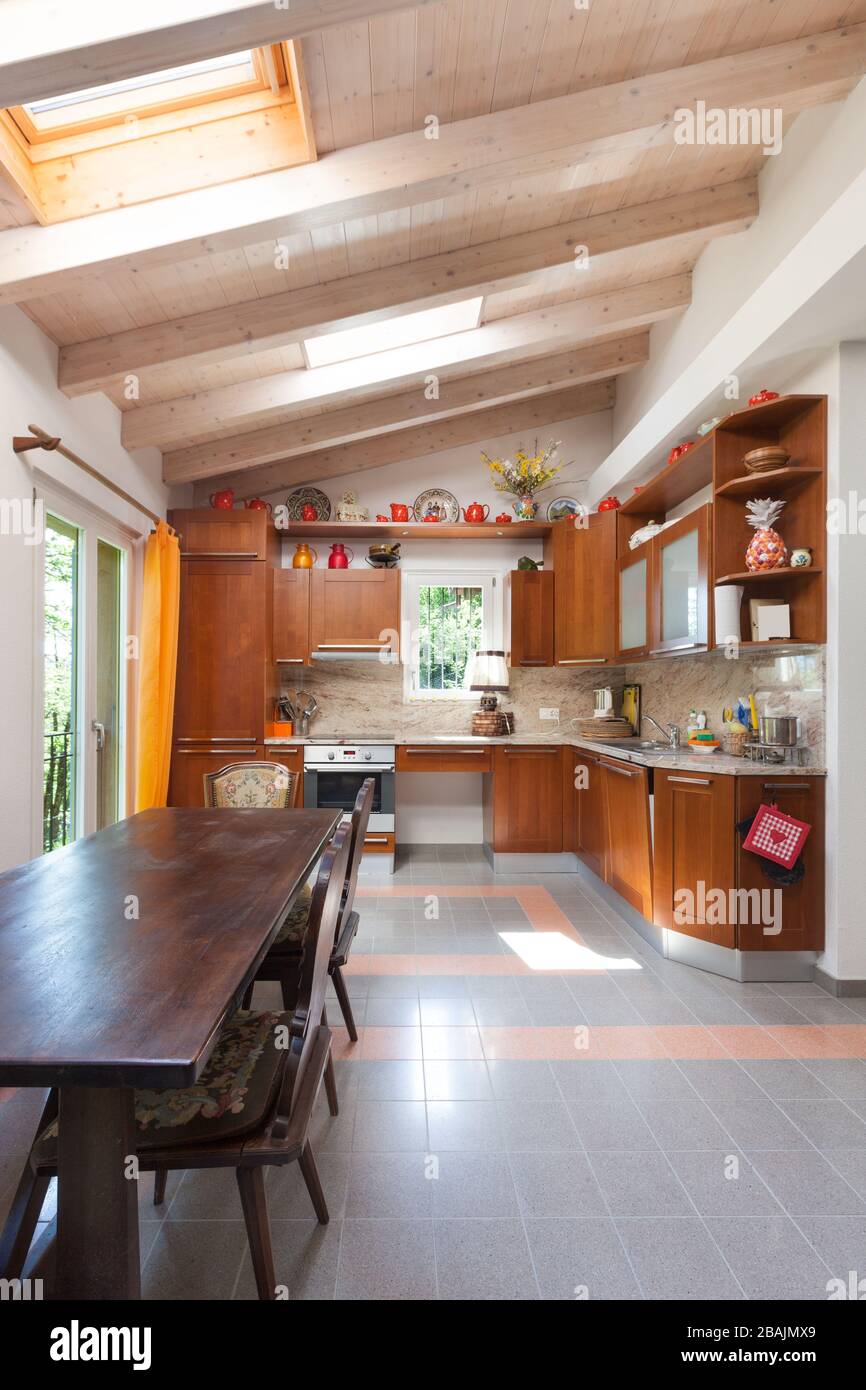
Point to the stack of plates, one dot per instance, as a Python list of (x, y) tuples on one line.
[(605, 728)]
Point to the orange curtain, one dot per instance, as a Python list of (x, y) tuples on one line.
[(160, 606)]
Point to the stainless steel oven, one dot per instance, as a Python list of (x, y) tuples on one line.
[(335, 770)]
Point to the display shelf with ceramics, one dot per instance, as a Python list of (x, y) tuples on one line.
[(418, 530)]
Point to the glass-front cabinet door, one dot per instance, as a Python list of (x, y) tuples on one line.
[(634, 610), (681, 555)]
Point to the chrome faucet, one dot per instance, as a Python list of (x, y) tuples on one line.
[(670, 732)]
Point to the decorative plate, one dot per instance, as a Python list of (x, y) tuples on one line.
[(434, 500), (308, 496), (564, 506)]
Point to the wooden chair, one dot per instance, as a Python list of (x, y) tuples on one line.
[(250, 1108), (281, 962), (251, 784)]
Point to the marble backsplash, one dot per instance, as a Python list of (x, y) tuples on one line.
[(367, 697)]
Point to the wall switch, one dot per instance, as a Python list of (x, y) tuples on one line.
[(548, 714)]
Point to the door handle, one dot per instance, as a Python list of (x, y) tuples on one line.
[(785, 787), (219, 554), (624, 771), (288, 661), (678, 647), (447, 752), (99, 730), (375, 839), (582, 661), (531, 752), (698, 781)]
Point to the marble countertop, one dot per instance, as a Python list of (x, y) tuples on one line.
[(682, 759)]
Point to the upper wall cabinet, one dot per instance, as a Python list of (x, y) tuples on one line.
[(241, 534), (681, 581), (291, 617), (353, 611), (583, 559), (529, 618)]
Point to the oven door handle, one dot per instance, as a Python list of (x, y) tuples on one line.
[(356, 767)]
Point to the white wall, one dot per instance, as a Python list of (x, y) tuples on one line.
[(91, 428)]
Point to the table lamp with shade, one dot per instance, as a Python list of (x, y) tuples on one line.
[(489, 674)]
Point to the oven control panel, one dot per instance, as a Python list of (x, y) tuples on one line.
[(359, 755)]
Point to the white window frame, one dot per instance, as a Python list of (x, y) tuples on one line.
[(490, 583)]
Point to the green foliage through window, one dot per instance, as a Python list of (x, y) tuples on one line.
[(60, 679), (451, 627)]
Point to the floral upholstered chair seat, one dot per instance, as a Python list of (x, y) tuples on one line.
[(235, 1089), (263, 785), (294, 929)]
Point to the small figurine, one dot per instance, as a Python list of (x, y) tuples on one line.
[(348, 510)]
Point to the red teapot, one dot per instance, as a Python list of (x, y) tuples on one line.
[(308, 512), (475, 512), (380, 516), (257, 504), (338, 559), (609, 504), (399, 511), (223, 501), (763, 396), (504, 518)]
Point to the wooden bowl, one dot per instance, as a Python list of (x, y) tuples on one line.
[(762, 460)]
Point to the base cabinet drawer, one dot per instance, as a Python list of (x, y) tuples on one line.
[(524, 811), (792, 917), (421, 757)]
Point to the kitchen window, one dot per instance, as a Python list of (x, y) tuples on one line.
[(451, 616)]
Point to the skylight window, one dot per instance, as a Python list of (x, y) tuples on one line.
[(403, 331)]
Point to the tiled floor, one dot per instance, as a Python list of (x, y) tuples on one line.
[(540, 1106)]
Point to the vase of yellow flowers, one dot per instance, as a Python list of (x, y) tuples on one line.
[(524, 477)]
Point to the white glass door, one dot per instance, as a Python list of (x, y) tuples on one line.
[(86, 576)]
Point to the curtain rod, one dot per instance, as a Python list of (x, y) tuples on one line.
[(40, 440)]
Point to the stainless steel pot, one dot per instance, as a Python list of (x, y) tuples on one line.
[(778, 730)]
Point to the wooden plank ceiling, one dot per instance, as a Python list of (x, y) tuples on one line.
[(203, 354)]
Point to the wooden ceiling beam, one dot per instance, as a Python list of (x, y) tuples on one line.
[(407, 170), (235, 330), (535, 413), (249, 404), (539, 376), (50, 48)]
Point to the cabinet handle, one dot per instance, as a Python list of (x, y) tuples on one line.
[(582, 661), (350, 646), (447, 752), (219, 554), (223, 738), (540, 661), (697, 781), (531, 752), (623, 771), (678, 647), (288, 661), (786, 787), (204, 752), (376, 840)]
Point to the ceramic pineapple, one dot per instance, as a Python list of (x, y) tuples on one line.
[(767, 550)]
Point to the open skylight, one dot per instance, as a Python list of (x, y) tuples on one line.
[(403, 331)]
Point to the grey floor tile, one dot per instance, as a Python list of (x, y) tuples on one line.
[(483, 1260), (841, 1243), (194, 1260), (720, 1080), (333, 1133), (579, 1260), (457, 1080), (390, 1126), (491, 987), (305, 1261), (393, 986), (387, 1080), (676, 1259), (784, 1080), (511, 1011), (536, 1125), (389, 1185), (392, 1013), (757, 1124), (557, 1013), (722, 1183), (391, 1259), (610, 1124), (610, 1012), (522, 1080), (588, 1080), (442, 986), (845, 1077), (288, 1198), (640, 1184), (447, 1013), (828, 1123), (654, 1080), (206, 1194), (851, 1163), (473, 1185), (556, 1185), (770, 1257), (769, 1009), (806, 1184), (678, 1124), (464, 1126)]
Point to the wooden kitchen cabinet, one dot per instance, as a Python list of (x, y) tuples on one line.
[(224, 675), (681, 570), (583, 559), (693, 849), (802, 904), (354, 610), (291, 617), (625, 797), (245, 533), (523, 799), (190, 763), (634, 603), (589, 821), (529, 619), (433, 757)]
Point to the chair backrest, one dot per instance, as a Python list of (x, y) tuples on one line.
[(251, 784), (360, 820), (313, 975)]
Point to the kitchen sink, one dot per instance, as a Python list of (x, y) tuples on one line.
[(637, 745)]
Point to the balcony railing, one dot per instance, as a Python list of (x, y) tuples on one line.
[(58, 784)]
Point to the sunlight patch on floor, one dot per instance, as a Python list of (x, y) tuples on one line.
[(551, 950)]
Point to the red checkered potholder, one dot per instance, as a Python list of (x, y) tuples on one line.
[(776, 836)]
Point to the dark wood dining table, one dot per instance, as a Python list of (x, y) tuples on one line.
[(121, 956)]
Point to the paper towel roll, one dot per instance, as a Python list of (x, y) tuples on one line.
[(728, 598)]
